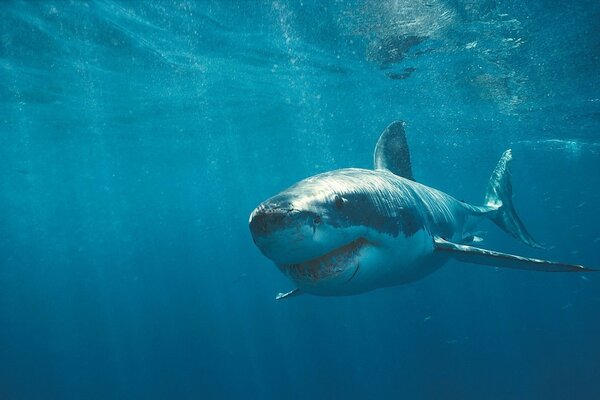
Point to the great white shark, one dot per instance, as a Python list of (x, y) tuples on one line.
[(353, 230)]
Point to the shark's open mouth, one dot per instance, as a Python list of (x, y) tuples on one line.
[(331, 264)]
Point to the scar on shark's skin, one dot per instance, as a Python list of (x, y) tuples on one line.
[(384, 224)]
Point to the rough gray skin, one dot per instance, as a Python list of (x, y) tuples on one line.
[(376, 199)]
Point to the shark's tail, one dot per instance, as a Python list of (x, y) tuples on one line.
[(499, 196)]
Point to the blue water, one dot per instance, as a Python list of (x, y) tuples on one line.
[(136, 138)]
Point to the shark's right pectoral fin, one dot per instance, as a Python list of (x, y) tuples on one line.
[(291, 293), (476, 255)]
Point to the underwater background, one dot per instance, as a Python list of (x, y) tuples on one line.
[(137, 137)]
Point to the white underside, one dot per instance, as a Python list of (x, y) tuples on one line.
[(375, 261)]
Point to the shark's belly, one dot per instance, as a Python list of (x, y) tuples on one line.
[(398, 261)]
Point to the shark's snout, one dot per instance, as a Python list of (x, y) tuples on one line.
[(269, 218), (282, 232)]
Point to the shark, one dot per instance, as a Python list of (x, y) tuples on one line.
[(353, 230)]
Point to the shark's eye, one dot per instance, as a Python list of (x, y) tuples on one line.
[(317, 220), (339, 201)]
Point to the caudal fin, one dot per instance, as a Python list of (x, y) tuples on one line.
[(499, 196)]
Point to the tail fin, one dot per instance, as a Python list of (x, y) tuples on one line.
[(499, 196)]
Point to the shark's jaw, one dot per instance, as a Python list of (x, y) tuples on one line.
[(338, 266), (318, 258)]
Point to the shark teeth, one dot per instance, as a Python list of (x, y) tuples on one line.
[(329, 265)]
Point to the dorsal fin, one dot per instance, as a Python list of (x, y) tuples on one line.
[(391, 151)]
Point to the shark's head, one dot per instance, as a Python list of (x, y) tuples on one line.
[(302, 223), (320, 229)]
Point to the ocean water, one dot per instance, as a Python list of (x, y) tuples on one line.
[(137, 137)]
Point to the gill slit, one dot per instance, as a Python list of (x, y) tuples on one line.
[(355, 272)]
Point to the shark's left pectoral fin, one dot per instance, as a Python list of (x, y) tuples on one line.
[(291, 293), (476, 255)]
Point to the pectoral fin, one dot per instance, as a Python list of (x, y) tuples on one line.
[(476, 255), (291, 293)]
